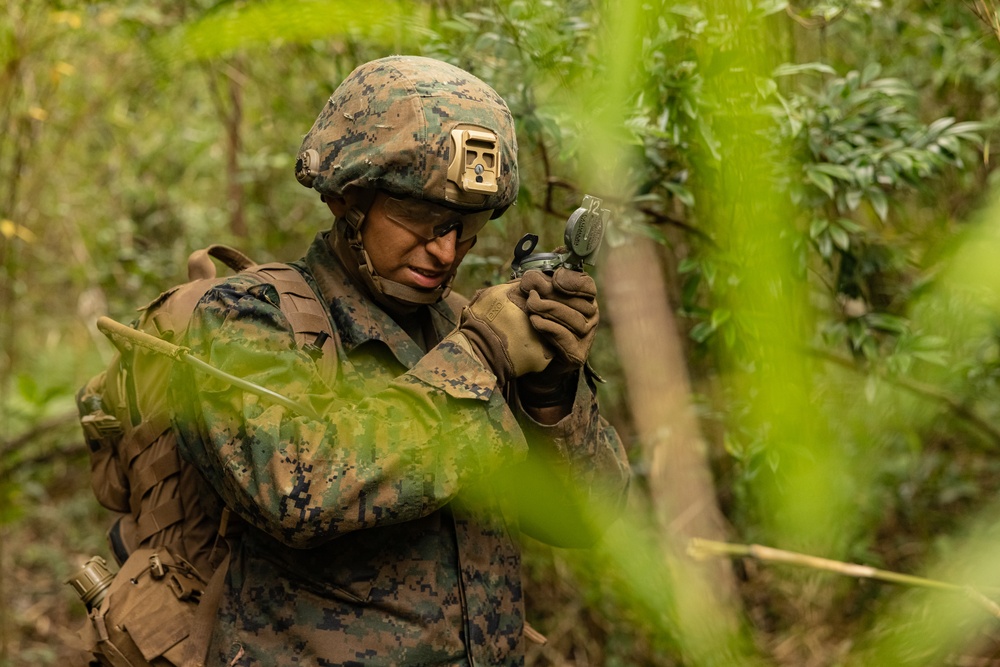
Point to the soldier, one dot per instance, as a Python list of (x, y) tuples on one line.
[(385, 532)]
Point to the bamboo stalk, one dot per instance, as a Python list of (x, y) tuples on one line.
[(702, 549)]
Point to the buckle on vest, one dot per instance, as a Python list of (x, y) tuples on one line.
[(181, 589), (157, 569), (315, 348), (100, 429)]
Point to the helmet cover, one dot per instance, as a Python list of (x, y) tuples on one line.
[(414, 127)]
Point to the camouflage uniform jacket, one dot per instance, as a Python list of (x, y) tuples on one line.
[(383, 533)]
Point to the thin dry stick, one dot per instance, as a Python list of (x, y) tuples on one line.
[(987, 12), (702, 549)]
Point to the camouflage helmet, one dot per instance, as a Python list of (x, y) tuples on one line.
[(414, 127)]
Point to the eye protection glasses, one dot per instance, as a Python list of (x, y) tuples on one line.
[(430, 221)]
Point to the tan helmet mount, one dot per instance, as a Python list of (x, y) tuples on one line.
[(472, 173)]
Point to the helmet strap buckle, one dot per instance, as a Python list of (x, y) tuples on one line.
[(354, 218)]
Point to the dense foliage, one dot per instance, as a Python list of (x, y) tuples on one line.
[(817, 173)]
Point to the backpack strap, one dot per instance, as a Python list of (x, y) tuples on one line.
[(305, 311), (200, 263), (146, 452), (167, 317)]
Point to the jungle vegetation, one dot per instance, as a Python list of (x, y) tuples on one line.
[(800, 287)]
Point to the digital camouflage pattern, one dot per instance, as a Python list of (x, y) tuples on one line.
[(383, 533), (388, 127)]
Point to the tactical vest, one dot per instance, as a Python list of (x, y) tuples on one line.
[(167, 523)]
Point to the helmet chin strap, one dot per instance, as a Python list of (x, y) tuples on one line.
[(388, 293)]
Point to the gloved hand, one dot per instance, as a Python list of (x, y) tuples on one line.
[(496, 327), (563, 309)]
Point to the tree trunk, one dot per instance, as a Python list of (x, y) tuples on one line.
[(226, 88), (233, 121), (652, 356)]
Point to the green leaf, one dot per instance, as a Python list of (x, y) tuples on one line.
[(879, 203), (765, 86), (935, 358), (238, 26), (886, 322), (821, 180), (710, 271), (837, 171), (729, 335), (788, 69), (732, 447), (871, 71), (653, 232), (817, 227), (769, 7), (929, 342), (940, 124), (688, 265), (893, 87), (27, 388), (852, 198), (682, 193), (850, 225), (720, 316), (702, 332), (970, 128), (705, 130), (825, 245), (840, 237)]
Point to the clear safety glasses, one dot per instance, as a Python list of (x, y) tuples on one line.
[(430, 221)]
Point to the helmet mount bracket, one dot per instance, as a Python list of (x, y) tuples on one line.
[(473, 172)]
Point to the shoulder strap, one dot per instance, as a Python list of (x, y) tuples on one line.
[(305, 311), (208, 606), (200, 264)]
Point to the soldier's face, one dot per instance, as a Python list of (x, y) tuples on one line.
[(399, 252)]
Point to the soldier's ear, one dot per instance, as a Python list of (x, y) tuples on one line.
[(336, 204)]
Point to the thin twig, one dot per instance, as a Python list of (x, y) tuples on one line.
[(50, 424), (702, 549), (664, 219), (987, 14), (60, 452), (656, 217)]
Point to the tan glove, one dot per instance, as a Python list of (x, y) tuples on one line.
[(496, 327), (563, 309)]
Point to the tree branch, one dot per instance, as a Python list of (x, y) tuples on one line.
[(38, 430), (61, 451), (959, 408)]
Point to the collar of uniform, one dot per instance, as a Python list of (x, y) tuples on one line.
[(359, 319)]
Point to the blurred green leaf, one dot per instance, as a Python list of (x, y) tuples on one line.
[(237, 26), (820, 180)]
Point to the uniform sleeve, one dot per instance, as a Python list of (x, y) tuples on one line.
[(368, 460), (576, 477)]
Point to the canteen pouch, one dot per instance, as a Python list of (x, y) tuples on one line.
[(149, 613)]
